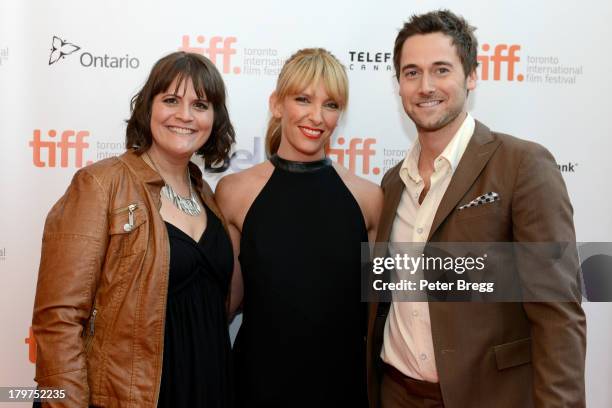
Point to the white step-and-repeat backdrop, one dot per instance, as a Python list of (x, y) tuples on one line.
[(544, 76)]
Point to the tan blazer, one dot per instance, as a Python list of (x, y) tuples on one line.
[(515, 355)]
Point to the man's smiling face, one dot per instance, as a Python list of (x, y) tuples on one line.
[(432, 84)]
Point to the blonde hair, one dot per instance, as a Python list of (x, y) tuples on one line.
[(305, 67)]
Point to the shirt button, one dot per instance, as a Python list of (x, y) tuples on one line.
[(415, 313), (423, 356), (420, 230)]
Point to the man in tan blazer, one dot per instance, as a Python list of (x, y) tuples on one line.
[(459, 355)]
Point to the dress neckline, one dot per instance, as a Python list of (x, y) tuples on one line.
[(204, 233), (299, 167)]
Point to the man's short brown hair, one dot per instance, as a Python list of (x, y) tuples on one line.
[(445, 22)]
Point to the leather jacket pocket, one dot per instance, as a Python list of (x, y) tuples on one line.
[(513, 354), (125, 226)]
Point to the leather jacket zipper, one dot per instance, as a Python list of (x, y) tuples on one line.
[(130, 207), (92, 329), (129, 226), (92, 322)]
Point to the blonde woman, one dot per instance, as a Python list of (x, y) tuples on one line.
[(297, 221)]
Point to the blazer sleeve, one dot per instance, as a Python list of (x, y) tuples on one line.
[(541, 212), (73, 251)]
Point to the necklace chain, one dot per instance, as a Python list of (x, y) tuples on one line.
[(188, 205)]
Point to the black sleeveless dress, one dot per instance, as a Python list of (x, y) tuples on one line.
[(302, 339), (196, 362)]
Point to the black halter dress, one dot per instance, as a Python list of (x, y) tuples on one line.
[(302, 339)]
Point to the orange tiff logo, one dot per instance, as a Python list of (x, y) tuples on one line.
[(504, 55), (70, 140), (216, 46), (353, 152)]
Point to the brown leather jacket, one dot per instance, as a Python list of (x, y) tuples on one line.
[(100, 305)]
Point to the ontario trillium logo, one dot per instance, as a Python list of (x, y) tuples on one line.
[(60, 48)]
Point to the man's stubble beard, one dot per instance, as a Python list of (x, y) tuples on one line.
[(446, 118)]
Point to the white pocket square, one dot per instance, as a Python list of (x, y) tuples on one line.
[(483, 199)]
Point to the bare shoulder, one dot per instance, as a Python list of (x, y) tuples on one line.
[(369, 195), (236, 192), (359, 184)]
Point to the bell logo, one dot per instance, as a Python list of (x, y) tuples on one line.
[(214, 50), (69, 140), (241, 159), (503, 54), (353, 153)]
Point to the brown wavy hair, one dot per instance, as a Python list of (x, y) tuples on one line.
[(208, 84), (305, 67)]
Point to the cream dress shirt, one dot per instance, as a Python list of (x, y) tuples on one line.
[(407, 342)]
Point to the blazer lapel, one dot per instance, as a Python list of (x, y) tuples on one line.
[(478, 152)]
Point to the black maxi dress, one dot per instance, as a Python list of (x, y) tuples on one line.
[(302, 339), (196, 368)]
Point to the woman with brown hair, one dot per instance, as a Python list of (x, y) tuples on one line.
[(297, 222), (136, 262)]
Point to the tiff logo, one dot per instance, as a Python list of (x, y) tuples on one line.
[(353, 153), (503, 54), (65, 145), (31, 342), (214, 50)]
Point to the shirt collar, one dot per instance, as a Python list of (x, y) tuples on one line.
[(452, 153)]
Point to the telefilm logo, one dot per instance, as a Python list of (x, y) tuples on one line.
[(370, 61), (355, 154), (61, 48), (223, 52), (500, 63), (2, 254), (71, 145)]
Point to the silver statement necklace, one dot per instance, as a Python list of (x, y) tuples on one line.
[(188, 205)]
